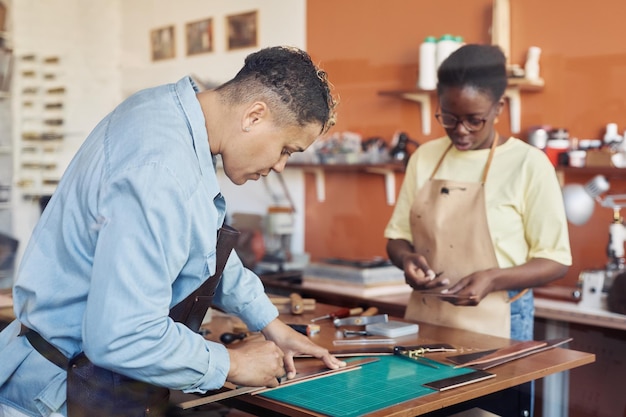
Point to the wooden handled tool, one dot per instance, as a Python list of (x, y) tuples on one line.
[(372, 311), (284, 304), (297, 303)]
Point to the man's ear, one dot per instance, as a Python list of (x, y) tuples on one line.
[(253, 115)]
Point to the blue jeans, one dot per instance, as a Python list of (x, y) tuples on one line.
[(522, 316), (522, 326), (511, 402)]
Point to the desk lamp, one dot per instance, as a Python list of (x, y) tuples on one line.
[(579, 202)]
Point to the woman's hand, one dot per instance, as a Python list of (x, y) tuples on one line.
[(417, 272), (469, 291), (293, 343), (419, 275)]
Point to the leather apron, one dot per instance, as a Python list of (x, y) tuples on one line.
[(449, 227), (97, 392)]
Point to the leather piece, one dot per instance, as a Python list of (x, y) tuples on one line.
[(490, 358)]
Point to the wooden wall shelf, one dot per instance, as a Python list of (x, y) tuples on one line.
[(608, 172), (388, 171), (512, 93)]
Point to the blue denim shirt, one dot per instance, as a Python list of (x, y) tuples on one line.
[(130, 231)]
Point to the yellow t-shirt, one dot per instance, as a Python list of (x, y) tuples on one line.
[(525, 210)]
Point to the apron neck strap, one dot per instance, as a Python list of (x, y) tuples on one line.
[(494, 144), (492, 151)]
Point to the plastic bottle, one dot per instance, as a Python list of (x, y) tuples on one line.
[(427, 66), (459, 41), (611, 135), (531, 68), (445, 46)]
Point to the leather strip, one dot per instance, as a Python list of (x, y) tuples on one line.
[(46, 349), (191, 310)]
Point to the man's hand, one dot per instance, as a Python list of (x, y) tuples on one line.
[(256, 364), (293, 343)]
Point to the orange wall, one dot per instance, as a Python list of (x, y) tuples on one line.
[(367, 46)]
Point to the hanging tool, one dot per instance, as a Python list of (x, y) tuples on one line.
[(341, 313)]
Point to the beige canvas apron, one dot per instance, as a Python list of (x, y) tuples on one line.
[(449, 227)]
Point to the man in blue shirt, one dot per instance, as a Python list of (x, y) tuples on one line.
[(131, 231)]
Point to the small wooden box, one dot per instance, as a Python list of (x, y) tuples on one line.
[(599, 158)]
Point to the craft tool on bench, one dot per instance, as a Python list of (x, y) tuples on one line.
[(341, 313), (306, 329), (360, 320), (415, 355), (230, 337), (371, 311), (296, 303), (364, 341), (386, 350), (390, 328), (293, 304)]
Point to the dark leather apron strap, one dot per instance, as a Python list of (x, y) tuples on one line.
[(46, 349), (191, 310)]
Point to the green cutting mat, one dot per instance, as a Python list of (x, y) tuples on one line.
[(376, 385)]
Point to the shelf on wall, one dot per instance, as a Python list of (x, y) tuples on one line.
[(388, 171), (609, 172), (512, 93)]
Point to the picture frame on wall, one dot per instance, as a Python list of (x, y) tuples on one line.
[(163, 43), (199, 36), (242, 30)]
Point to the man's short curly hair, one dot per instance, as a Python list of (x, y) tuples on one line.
[(285, 77)]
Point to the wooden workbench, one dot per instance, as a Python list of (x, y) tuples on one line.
[(512, 374), (559, 395)]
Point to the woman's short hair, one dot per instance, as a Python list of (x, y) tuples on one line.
[(285, 77), (479, 66)]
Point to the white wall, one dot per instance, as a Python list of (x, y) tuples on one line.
[(105, 50), (86, 37), (280, 22)]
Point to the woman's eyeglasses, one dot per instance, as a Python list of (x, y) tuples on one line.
[(471, 124)]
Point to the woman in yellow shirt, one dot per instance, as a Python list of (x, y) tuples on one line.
[(480, 215)]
